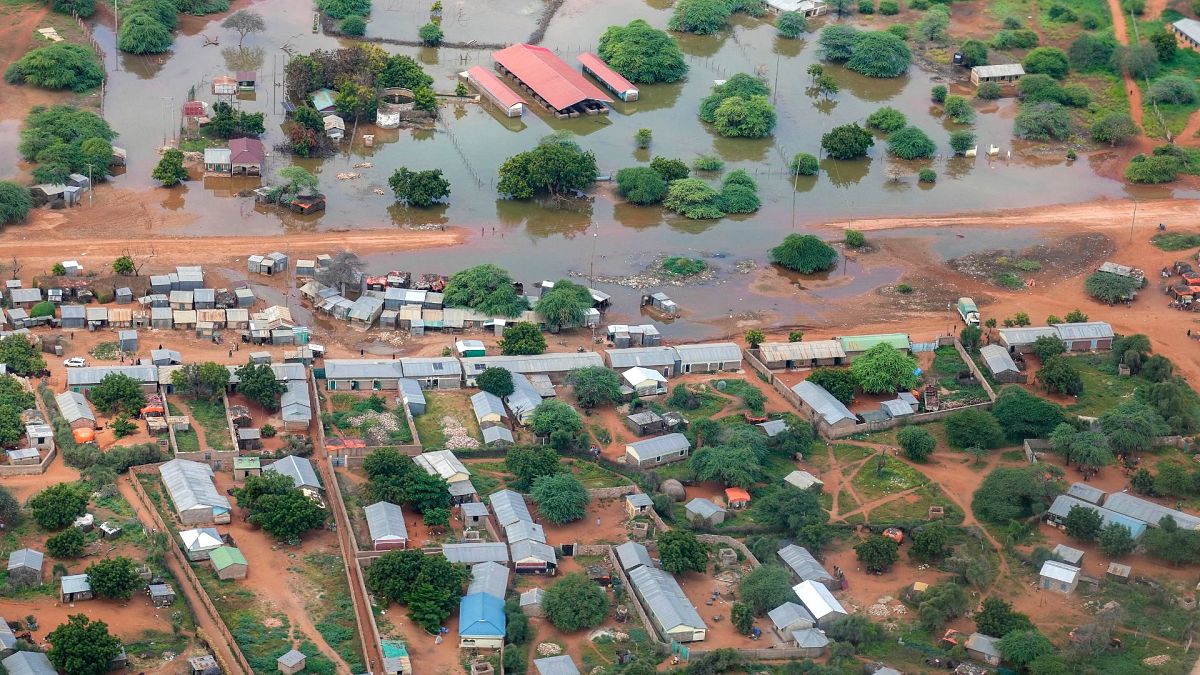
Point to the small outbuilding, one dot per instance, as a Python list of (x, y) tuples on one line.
[(556, 665), (128, 340), (75, 587), (658, 450), (790, 617), (819, 602), (1071, 556), (1001, 73), (805, 567), (198, 543), (228, 562), (25, 568), (291, 662), (1058, 577), (1119, 573), (385, 523), (638, 504), (531, 601), (811, 642), (1001, 364), (803, 480), (645, 381), (983, 648), (28, 663), (704, 511), (161, 595)]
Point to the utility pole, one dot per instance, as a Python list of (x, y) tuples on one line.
[(592, 264), (1133, 220)]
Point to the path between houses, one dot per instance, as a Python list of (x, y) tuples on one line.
[(1121, 30)]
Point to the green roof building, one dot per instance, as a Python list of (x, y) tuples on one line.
[(228, 562), (854, 345)]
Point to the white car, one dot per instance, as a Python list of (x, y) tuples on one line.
[(75, 362)]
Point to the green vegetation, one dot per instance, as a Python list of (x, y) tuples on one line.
[(791, 25), (565, 305), (848, 141), (911, 143), (560, 498), (803, 164), (429, 585), (61, 65), (522, 338), (887, 120), (682, 266), (574, 603), (642, 54), (805, 254), (557, 166), (485, 288), (64, 140), (15, 203), (421, 189), (641, 185), (1176, 241), (211, 417)]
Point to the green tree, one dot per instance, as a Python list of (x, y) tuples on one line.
[(971, 426), (940, 603), (879, 54), (1116, 541), (403, 71), (115, 578), (124, 266), (82, 646), (1165, 44), (258, 383), (1042, 122), (529, 464), (738, 197), (1110, 288), (805, 254), (560, 498), (553, 167), (495, 380), (61, 65), (66, 544), (911, 143), (340, 9), (970, 337), (997, 618), (642, 54), (755, 337), (595, 386), (1046, 347), (170, 170), (1175, 89), (934, 26), (245, 22), (641, 185), (118, 393), (680, 551), (702, 17), (1010, 493), (798, 514), (837, 43), (15, 203), (421, 189), (1022, 647), (1083, 523), (1152, 169), (10, 510), (693, 198), (1132, 426), (887, 120), (839, 382), (488, 289), (20, 355), (741, 85), (733, 466), (930, 543), (574, 603), (884, 369), (1091, 52), (552, 415), (741, 617), (142, 33), (975, 53), (803, 164), (565, 305), (959, 110), (1023, 415), (517, 631), (848, 141), (431, 34), (745, 118), (205, 381), (522, 338), (855, 629), (354, 25), (916, 442), (765, 587), (286, 516), (669, 169), (84, 8), (791, 24), (1058, 375), (297, 180), (1113, 128), (1050, 61), (427, 492), (877, 553)]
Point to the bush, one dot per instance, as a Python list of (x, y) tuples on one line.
[(693, 198), (975, 53), (1019, 38), (737, 117), (791, 24), (431, 34), (340, 9), (15, 202), (848, 141), (958, 110), (702, 17), (855, 239), (1173, 89), (555, 166), (961, 141), (84, 8), (900, 30), (1090, 52), (887, 120), (1051, 61), (927, 175), (1114, 128), (972, 427), (641, 185), (916, 442), (1137, 7), (708, 163), (805, 254), (1152, 169), (354, 25), (143, 34), (879, 55), (642, 53), (61, 65), (911, 143), (1042, 122), (866, 6), (1062, 14), (939, 93), (889, 7), (803, 164)]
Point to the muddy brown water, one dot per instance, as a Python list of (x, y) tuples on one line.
[(536, 240)]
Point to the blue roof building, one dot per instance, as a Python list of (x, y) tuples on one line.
[(481, 621)]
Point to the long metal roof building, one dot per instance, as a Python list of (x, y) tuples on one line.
[(665, 601), (803, 564), (551, 78), (190, 485), (816, 397), (509, 507)]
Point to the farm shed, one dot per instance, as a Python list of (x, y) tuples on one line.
[(1058, 577), (805, 567), (1022, 339), (385, 522), (632, 555), (533, 557), (362, 374), (531, 601), (657, 450), (1001, 364), (704, 511), (76, 410), (673, 615), (296, 407), (75, 587), (1000, 73), (555, 665), (200, 542), (28, 663), (790, 617), (855, 345), (19, 318), (290, 663), (300, 470), (611, 79), (495, 90), (897, 407), (645, 423), (474, 513), (551, 80), (509, 507), (644, 382), (489, 409), (1068, 555), (413, 396), (72, 316), (819, 602), (789, 355), (1085, 337), (161, 595), (489, 577), (24, 298), (228, 562), (712, 357), (445, 464), (1148, 512), (810, 641), (40, 436), (190, 486), (481, 622), (435, 372), (25, 567), (983, 648), (803, 480), (476, 553), (661, 359), (496, 437), (822, 408)]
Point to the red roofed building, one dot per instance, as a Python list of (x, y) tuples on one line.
[(193, 109), (493, 89), (737, 498), (551, 81), (246, 156), (611, 79)]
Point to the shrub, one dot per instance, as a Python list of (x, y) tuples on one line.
[(702, 17), (1051, 61), (1152, 169), (354, 25), (939, 93), (973, 427), (805, 254), (1114, 128), (879, 55), (961, 141), (431, 34), (669, 169), (1018, 38), (1042, 122), (837, 43), (848, 141), (958, 110), (855, 239), (708, 163), (911, 143), (866, 6), (1108, 287), (887, 120), (15, 202), (641, 185), (975, 53), (889, 7), (693, 198), (1173, 89), (791, 24), (1062, 13), (642, 53), (61, 65), (1090, 52), (1137, 7), (142, 33), (340, 9), (900, 30), (927, 175), (84, 8), (642, 138), (916, 442), (803, 164), (737, 117)]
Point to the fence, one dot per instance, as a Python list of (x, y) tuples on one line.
[(188, 574), (29, 469), (751, 355), (974, 368)]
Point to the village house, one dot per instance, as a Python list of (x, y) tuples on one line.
[(190, 487), (200, 542), (25, 568), (1000, 73), (673, 615), (531, 601), (246, 156), (385, 525), (161, 595), (301, 471), (645, 423), (72, 316), (489, 409), (472, 553), (490, 578), (643, 382), (811, 642), (497, 437), (804, 566), (81, 380), (437, 372), (658, 450), (556, 366), (74, 588), (704, 511), (556, 665), (819, 602), (712, 357), (1085, 337), (1001, 365), (809, 8), (983, 648), (28, 663), (1188, 32), (826, 412), (1068, 555), (76, 410), (1086, 493), (524, 530), (444, 464), (218, 161), (638, 504), (632, 555), (790, 617), (40, 436), (1058, 577), (474, 514), (228, 562), (481, 622), (509, 507), (660, 359), (789, 355), (362, 374)]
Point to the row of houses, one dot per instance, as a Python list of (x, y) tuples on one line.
[(1076, 337), (1133, 512)]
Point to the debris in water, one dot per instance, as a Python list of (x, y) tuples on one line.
[(348, 175), (364, 165)]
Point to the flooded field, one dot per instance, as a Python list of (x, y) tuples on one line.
[(602, 235)]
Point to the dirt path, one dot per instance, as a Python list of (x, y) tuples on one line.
[(198, 428), (1121, 30), (865, 509), (204, 623)]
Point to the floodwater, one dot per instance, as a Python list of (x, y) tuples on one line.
[(541, 241)]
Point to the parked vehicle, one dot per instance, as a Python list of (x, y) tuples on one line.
[(968, 311), (75, 362)]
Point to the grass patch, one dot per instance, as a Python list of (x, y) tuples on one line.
[(916, 507), (679, 266), (335, 618), (1009, 280), (846, 501), (896, 476), (1058, 30), (742, 389), (1103, 388), (593, 475), (212, 417), (709, 402), (187, 441), (439, 405), (1176, 241), (845, 453)]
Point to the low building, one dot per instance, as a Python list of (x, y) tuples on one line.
[(1001, 364), (413, 396), (803, 480), (524, 530), (470, 348), (81, 380), (856, 345), (555, 665), (290, 663), (74, 588), (435, 372), (72, 316), (335, 127), (190, 487), (471, 554), (805, 567), (790, 617), (1086, 493), (673, 615), (553, 82), (300, 470), (228, 562), (611, 79), (496, 91), (509, 507), (631, 555), (1119, 573), (704, 511), (1021, 339), (531, 601), (1085, 337), (385, 525), (28, 663), (1058, 577), (497, 437), (246, 156), (712, 357), (25, 568), (809, 8), (363, 374), (1188, 32), (198, 543), (481, 622), (1000, 73), (1061, 507), (474, 513), (445, 464), (161, 595), (218, 161), (789, 355), (819, 602), (661, 359), (811, 642), (645, 423), (644, 382), (828, 413), (23, 456), (983, 648), (556, 365), (657, 450), (773, 428), (489, 409), (489, 577), (1149, 512), (736, 498), (1068, 555), (638, 504), (533, 557)]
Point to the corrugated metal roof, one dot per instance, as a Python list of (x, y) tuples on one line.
[(190, 484), (1086, 492), (385, 522), (660, 446), (861, 343), (1059, 571), (823, 402), (984, 644), (76, 583), (487, 80), (1147, 511), (474, 510), (1069, 555), (1092, 330), (532, 597), (25, 295), (25, 557), (524, 398), (509, 507), (817, 599), (362, 369), (664, 599), (72, 311), (442, 463), (605, 73), (788, 614), (28, 663), (639, 499), (496, 435), (804, 564), (549, 76), (998, 359), (1000, 70), (366, 308), (1189, 28), (225, 556), (1025, 335), (291, 659), (201, 539), (527, 549), (523, 530), (486, 404), (802, 479), (802, 351), (897, 408), (641, 356), (481, 615), (412, 392), (558, 362), (1061, 507), (810, 638), (632, 554), (637, 375), (299, 469), (489, 577), (436, 366), (476, 553), (703, 507), (92, 375), (709, 352), (74, 406), (556, 665)]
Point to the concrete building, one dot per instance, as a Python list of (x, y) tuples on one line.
[(445, 464), (611, 79), (632, 555), (28, 663), (704, 511), (790, 617), (385, 525), (673, 615), (481, 622), (471, 554), (983, 648), (74, 588), (494, 90), (819, 602), (638, 504), (1000, 73), (228, 562), (805, 567), (489, 409), (657, 450), (789, 355), (1068, 555), (290, 663), (551, 81), (555, 665), (1058, 577), (825, 411), (810, 641), (1188, 32), (198, 543), (190, 487), (1001, 364), (490, 578), (713, 357), (25, 568), (1085, 337), (301, 471)]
